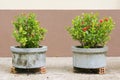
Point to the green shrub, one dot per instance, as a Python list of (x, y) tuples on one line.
[(27, 31), (91, 31)]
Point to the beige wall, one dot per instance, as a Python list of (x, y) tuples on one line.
[(57, 39), (60, 4)]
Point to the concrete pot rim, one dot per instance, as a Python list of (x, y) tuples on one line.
[(28, 50), (89, 50)]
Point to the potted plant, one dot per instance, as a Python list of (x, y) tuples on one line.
[(29, 54), (93, 34)]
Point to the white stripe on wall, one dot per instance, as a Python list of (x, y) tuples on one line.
[(59, 4)]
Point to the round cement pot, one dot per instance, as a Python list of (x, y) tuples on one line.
[(27, 58), (89, 58)]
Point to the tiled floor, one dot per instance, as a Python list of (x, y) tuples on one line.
[(60, 68)]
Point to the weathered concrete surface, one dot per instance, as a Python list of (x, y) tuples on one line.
[(60, 68), (28, 57), (89, 57)]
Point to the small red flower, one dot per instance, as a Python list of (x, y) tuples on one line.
[(106, 19), (85, 29), (100, 20)]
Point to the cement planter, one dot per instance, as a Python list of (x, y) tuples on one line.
[(90, 58), (27, 58)]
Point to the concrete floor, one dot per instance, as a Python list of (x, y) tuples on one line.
[(60, 68)]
